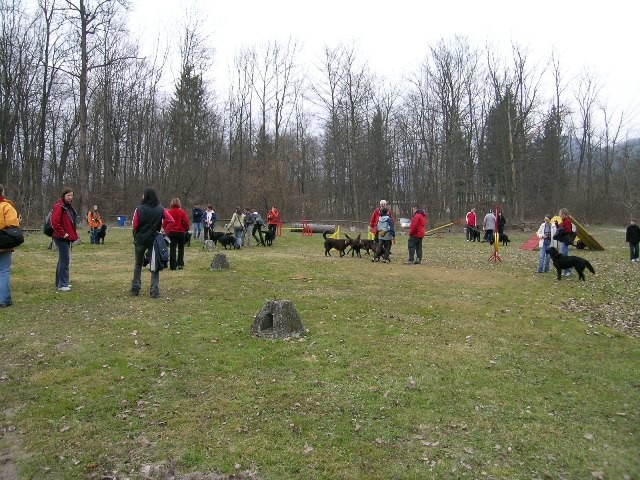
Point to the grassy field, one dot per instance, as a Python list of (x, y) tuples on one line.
[(456, 368)]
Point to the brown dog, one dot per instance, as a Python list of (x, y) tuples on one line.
[(339, 244)]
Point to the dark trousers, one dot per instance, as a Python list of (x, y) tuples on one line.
[(177, 242), (258, 228), (488, 236), (136, 283), (415, 248), (633, 250), (383, 250)]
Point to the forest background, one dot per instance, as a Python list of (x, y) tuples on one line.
[(81, 105)]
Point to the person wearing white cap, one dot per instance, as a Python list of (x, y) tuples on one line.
[(257, 227)]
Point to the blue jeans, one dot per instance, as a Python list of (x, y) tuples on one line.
[(197, 229), (543, 264), (238, 232), (64, 258), (5, 270), (94, 235), (564, 250)]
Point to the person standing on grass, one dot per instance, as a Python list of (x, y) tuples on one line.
[(209, 219), (545, 233), (176, 233), (63, 222), (237, 223), (489, 226), (196, 217), (273, 217), (633, 239), (249, 221), (501, 223), (470, 222), (8, 219), (567, 236), (95, 222), (147, 221), (416, 234)]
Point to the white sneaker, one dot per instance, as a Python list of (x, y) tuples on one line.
[(64, 289)]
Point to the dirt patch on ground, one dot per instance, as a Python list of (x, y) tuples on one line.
[(9, 448)]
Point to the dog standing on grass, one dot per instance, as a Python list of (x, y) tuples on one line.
[(339, 244), (101, 233), (562, 262)]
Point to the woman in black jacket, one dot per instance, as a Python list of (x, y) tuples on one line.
[(147, 221)]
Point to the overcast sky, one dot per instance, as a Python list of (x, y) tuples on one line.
[(394, 36)]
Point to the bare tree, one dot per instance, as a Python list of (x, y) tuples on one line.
[(90, 19)]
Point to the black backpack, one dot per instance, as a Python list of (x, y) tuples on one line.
[(47, 229), (11, 237)]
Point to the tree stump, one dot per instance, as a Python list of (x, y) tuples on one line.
[(277, 319), (219, 262)]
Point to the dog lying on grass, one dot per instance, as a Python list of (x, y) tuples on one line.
[(562, 262), (339, 244)]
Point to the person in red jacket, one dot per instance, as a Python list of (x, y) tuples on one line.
[(273, 217), (416, 234), (471, 225), (63, 221), (177, 233)]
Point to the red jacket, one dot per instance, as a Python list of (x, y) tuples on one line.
[(181, 221), (418, 224), (63, 221), (273, 216), (566, 224), (471, 219)]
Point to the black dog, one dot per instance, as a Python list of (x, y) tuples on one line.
[(102, 232), (228, 240), (562, 262), (504, 239), (216, 236), (355, 247), (474, 234), (339, 244), (269, 237), (187, 239), (367, 245)]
